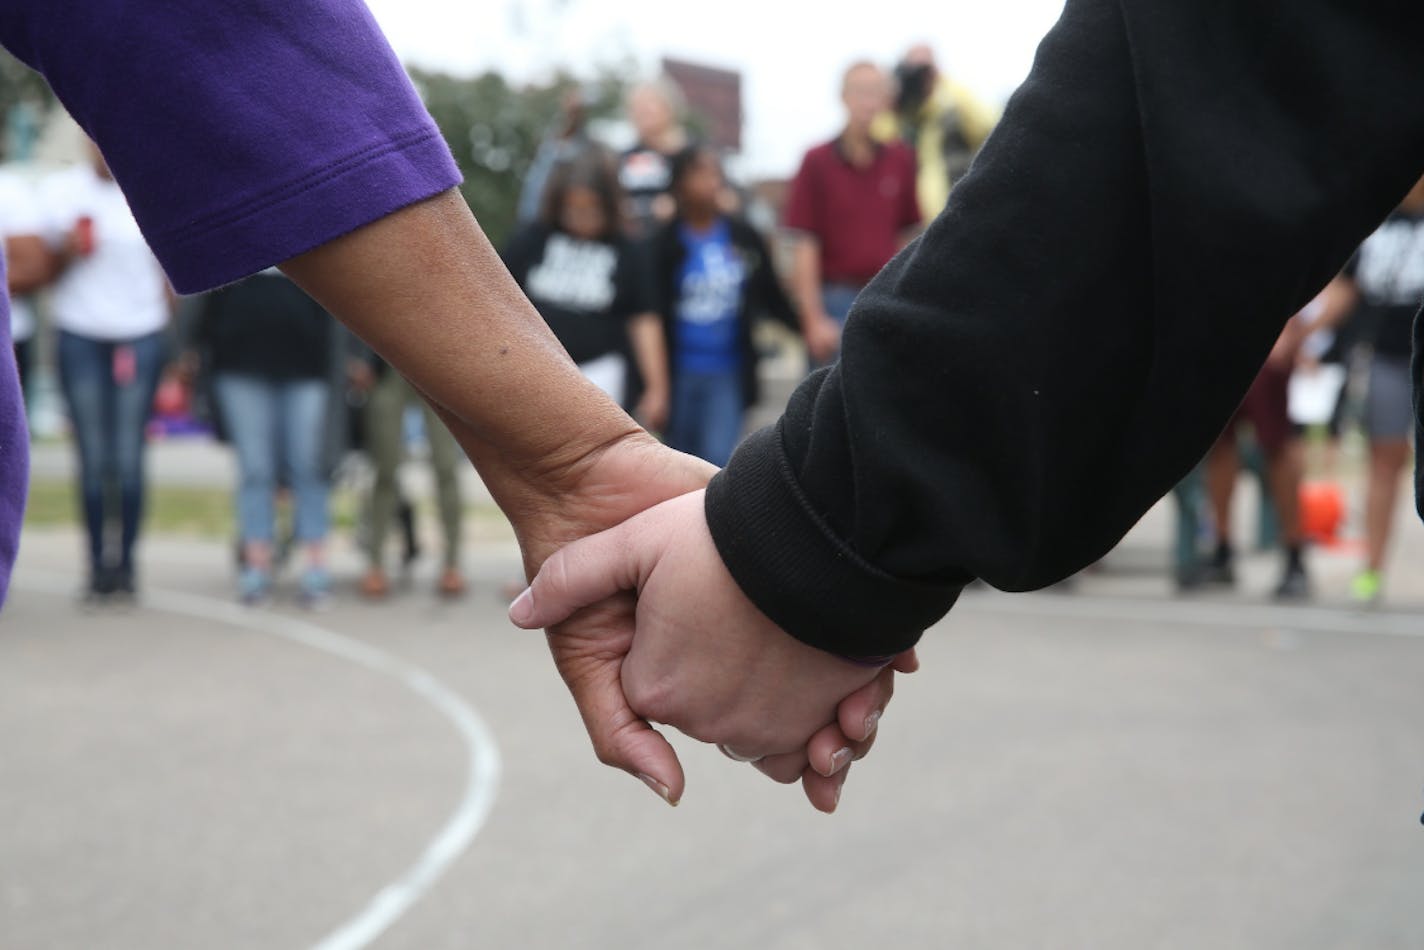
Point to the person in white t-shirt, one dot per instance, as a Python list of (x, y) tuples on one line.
[(110, 305)]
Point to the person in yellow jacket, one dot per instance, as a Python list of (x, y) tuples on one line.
[(941, 120)]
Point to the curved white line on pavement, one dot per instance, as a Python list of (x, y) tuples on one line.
[(481, 778), (1306, 619)]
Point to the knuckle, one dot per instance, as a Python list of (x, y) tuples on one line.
[(604, 753), (655, 701), (556, 572), (782, 773)]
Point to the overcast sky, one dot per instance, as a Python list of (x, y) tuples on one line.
[(790, 52)]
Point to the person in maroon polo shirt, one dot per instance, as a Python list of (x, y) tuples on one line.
[(852, 206)]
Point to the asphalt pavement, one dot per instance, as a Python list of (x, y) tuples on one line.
[(1108, 767)]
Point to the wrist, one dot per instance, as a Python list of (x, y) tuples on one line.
[(577, 492), (788, 560)]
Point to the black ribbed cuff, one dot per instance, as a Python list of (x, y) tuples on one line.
[(809, 582)]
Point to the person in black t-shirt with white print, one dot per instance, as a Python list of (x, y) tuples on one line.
[(585, 279), (1381, 289)]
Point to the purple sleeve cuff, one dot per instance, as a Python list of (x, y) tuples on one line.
[(307, 213)]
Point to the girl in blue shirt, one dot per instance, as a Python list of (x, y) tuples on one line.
[(713, 276)]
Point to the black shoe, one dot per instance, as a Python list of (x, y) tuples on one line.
[(1190, 578), (1220, 571), (101, 586), (1295, 583), (1219, 574), (98, 589), (124, 585)]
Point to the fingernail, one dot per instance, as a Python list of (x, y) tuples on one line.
[(840, 759), (871, 722), (658, 787), (737, 756), (522, 610), (838, 796)]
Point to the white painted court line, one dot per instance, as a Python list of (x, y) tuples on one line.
[(1187, 612), (482, 774)]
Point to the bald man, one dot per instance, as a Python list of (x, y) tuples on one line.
[(852, 207)]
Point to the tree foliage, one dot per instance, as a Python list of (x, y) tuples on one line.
[(494, 130), (21, 88), (493, 127)]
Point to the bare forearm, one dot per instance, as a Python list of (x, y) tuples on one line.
[(424, 288), (1341, 295), (30, 264), (806, 278), (650, 350)]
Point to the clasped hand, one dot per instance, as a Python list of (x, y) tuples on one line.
[(647, 626)]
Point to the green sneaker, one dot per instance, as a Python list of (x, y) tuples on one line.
[(1367, 587)]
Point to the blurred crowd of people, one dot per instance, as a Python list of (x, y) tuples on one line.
[(109, 303), (274, 375), (1347, 353), (645, 265)]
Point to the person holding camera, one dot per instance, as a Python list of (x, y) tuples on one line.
[(941, 120)]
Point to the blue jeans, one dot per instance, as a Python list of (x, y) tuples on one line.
[(837, 300), (108, 416), (276, 423), (706, 418)]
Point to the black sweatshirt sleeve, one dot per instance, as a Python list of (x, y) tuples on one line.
[(1171, 183)]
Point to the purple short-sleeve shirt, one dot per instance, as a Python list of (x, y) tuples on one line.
[(241, 134)]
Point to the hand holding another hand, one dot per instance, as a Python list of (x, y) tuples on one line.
[(701, 658)]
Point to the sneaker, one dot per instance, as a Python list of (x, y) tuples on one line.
[(1190, 578), (451, 584), (1295, 584), (1367, 588), (375, 585), (254, 586), (316, 588), (100, 586), (1218, 573), (125, 588)]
